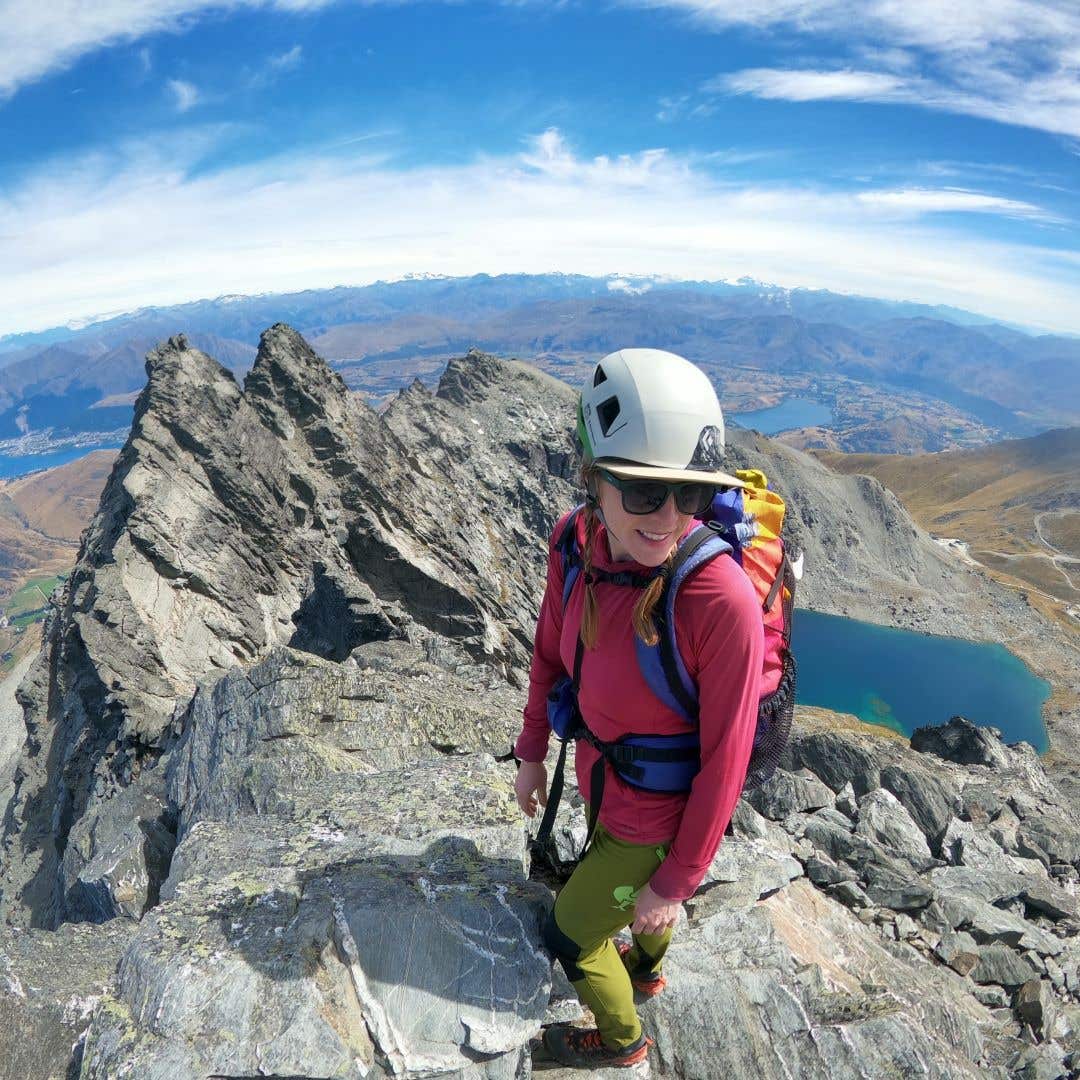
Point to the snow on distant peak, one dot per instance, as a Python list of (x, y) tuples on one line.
[(90, 320), (625, 285)]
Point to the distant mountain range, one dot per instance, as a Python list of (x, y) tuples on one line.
[(976, 380)]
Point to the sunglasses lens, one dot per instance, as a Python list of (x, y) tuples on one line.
[(643, 496), (693, 498), (646, 496)]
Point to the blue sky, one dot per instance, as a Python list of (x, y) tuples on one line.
[(161, 150)]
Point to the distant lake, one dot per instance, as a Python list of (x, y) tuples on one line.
[(12, 465), (791, 413), (906, 680)]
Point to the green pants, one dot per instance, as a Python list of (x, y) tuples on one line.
[(595, 903)]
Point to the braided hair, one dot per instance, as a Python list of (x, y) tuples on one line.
[(645, 608)]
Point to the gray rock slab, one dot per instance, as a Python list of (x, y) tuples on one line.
[(118, 853), (1040, 1063), (846, 801), (1003, 966), (788, 793), (748, 824), (835, 758), (260, 738), (834, 840), (833, 816), (390, 933), (882, 817), (1036, 1005), (964, 844), (899, 892), (1054, 834), (930, 799), (822, 871), (742, 872), (796, 987), (1049, 899), (12, 728), (50, 984), (989, 885), (849, 894), (993, 997), (987, 923)]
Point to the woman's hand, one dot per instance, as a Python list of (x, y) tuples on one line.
[(653, 913), (530, 786)]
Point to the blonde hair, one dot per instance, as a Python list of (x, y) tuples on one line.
[(645, 609)]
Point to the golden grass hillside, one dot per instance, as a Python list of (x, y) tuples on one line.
[(1015, 503), (43, 515)]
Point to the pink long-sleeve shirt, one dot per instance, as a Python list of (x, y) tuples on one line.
[(718, 629)]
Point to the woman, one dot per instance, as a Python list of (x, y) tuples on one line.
[(652, 435)]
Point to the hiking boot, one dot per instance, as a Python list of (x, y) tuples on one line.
[(582, 1048), (649, 985)]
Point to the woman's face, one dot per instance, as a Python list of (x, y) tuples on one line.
[(645, 538)]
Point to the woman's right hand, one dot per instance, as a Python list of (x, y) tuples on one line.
[(531, 786)]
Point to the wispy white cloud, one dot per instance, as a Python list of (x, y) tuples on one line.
[(1012, 61), (287, 61), (1046, 103), (550, 155), (950, 200), (86, 235), (804, 85), (932, 24), (185, 95), (39, 38), (275, 66)]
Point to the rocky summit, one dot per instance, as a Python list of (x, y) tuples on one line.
[(259, 825)]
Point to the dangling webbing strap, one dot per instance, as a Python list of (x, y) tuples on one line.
[(777, 585), (547, 822)]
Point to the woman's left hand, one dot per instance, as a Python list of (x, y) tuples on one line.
[(653, 913)]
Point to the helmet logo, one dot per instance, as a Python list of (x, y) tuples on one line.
[(709, 453)]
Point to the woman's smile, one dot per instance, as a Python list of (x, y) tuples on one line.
[(654, 538)]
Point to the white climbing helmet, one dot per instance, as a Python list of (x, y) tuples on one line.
[(649, 414)]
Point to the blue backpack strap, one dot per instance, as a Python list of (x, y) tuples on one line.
[(568, 548), (661, 664)]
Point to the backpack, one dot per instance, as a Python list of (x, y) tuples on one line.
[(744, 524)]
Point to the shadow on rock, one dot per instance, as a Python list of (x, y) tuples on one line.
[(390, 965)]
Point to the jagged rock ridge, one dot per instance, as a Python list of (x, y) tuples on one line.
[(284, 512)]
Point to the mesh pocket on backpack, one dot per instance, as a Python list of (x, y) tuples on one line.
[(775, 714)]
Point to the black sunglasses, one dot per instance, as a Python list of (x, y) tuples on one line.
[(647, 496)]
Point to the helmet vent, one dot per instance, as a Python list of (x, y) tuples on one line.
[(607, 413), (599, 376)]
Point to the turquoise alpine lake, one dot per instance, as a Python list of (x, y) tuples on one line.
[(791, 413), (905, 680)]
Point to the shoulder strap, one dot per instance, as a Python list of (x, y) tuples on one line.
[(700, 547), (569, 550)]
